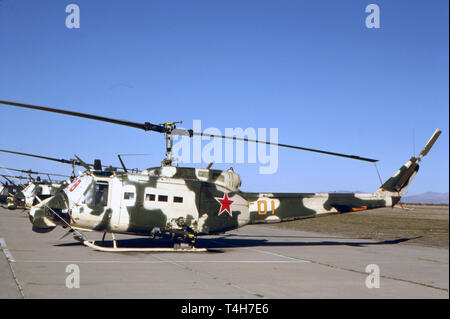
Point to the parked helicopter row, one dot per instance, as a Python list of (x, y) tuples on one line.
[(183, 203), (19, 195), (24, 194)]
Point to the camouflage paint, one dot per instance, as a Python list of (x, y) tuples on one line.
[(200, 212)]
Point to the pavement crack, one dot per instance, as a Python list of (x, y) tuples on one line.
[(10, 260), (381, 276)]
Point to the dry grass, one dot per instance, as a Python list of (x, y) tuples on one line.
[(423, 225)]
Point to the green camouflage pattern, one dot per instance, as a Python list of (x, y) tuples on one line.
[(201, 190), (183, 202)]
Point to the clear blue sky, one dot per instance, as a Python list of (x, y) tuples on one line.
[(309, 68)]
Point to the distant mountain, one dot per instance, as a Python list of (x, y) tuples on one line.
[(427, 198)]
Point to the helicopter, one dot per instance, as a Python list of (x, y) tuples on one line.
[(4, 191), (73, 162), (27, 193), (182, 203), (10, 192), (35, 187), (38, 189)]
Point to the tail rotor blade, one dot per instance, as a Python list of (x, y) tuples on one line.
[(430, 143)]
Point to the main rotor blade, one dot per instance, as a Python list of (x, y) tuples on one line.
[(163, 129), (45, 157), (143, 126), (191, 133), (32, 172), (11, 176), (62, 160), (20, 170)]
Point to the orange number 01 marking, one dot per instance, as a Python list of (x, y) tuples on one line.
[(264, 204)]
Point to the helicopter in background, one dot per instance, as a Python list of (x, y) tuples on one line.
[(37, 189), (24, 195), (73, 162), (10, 192), (183, 203)]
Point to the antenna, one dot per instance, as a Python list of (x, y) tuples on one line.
[(123, 164), (379, 176)]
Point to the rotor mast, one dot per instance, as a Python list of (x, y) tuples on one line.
[(169, 159)]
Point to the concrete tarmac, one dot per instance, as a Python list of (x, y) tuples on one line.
[(252, 262)]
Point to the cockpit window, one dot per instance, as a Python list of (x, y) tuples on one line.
[(97, 195)]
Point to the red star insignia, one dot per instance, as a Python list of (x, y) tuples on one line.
[(225, 204)]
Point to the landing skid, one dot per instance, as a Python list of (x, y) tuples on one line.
[(189, 249), (178, 247)]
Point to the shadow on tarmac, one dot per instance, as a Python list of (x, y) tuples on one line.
[(221, 243)]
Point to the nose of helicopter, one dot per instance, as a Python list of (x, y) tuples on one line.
[(46, 215), (39, 218)]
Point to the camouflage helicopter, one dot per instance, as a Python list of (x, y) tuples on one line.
[(10, 192), (183, 203), (73, 162), (4, 191), (36, 190), (35, 187)]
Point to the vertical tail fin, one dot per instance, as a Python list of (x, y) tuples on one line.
[(400, 181)]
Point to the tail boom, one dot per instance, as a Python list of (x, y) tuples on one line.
[(282, 207)]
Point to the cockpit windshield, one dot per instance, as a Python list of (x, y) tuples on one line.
[(97, 194)]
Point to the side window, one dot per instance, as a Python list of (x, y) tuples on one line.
[(162, 198), (97, 195), (128, 195), (177, 199), (102, 195), (152, 198), (203, 174), (215, 175)]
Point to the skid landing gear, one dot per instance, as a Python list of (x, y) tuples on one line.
[(177, 247)]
